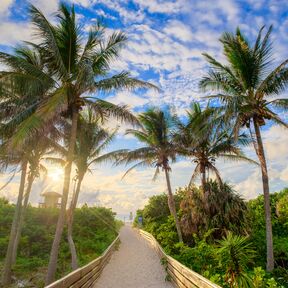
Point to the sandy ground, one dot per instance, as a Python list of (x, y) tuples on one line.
[(135, 265)]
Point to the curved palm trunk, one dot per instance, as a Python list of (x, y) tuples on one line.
[(22, 216), (172, 206), (52, 266), (70, 218), (6, 273), (265, 180)]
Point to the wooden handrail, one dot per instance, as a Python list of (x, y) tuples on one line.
[(87, 275), (181, 276)]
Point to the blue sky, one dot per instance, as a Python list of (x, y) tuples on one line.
[(166, 39)]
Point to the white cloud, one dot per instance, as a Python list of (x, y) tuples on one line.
[(227, 8), (4, 7), (178, 30), (284, 175), (47, 7), (129, 98), (163, 6), (12, 33)]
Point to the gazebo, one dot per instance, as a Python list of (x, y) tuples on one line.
[(51, 200)]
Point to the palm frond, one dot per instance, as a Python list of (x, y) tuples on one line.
[(46, 32), (107, 110), (143, 163), (122, 80), (231, 157)]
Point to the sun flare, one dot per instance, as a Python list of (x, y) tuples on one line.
[(56, 174)]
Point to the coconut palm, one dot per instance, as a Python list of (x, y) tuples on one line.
[(15, 105), (92, 139), (23, 161), (156, 134), (247, 86), (31, 158), (203, 140), (35, 167), (71, 71)]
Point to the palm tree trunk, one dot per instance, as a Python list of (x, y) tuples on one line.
[(203, 178), (172, 206), (22, 216), (70, 218), (52, 266), (6, 273), (205, 188), (265, 180)]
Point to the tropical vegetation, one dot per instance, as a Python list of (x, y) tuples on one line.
[(223, 240), (96, 228)]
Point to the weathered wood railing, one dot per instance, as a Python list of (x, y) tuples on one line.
[(87, 275), (181, 276)]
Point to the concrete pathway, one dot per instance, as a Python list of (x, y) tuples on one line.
[(134, 265)]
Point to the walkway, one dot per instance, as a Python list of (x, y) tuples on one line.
[(134, 265)]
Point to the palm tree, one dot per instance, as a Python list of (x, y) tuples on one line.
[(159, 149), (92, 139), (204, 141), (246, 87), (71, 71), (20, 101), (222, 211), (6, 273), (31, 158), (235, 253), (35, 167)]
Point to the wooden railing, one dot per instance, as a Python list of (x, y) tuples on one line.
[(181, 276), (87, 275)]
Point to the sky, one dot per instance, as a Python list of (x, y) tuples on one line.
[(165, 46)]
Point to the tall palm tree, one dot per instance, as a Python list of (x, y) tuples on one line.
[(92, 139), (71, 71), (6, 273), (203, 140), (35, 167), (247, 86), (15, 105), (156, 134), (31, 158)]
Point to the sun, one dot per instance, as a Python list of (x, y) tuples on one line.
[(56, 174)]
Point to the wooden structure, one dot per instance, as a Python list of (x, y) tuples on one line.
[(51, 200), (181, 276), (86, 276)]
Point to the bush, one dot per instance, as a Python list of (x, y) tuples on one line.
[(209, 221), (94, 230)]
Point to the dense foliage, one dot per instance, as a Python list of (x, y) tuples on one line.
[(230, 254), (95, 228)]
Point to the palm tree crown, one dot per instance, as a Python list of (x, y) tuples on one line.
[(204, 140), (65, 71), (156, 135), (247, 85)]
